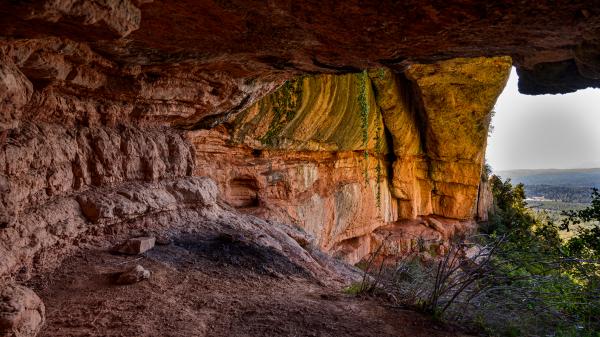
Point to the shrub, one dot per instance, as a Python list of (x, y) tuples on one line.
[(517, 279)]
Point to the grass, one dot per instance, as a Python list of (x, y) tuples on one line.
[(356, 288)]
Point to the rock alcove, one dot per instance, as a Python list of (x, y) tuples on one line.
[(121, 116)]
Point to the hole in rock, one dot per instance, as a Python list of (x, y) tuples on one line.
[(550, 143), (256, 153), (243, 192), (559, 131)]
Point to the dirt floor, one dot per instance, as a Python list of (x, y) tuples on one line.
[(211, 286)]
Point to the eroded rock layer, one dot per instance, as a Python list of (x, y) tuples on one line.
[(310, 154), (554, 43), (337, 155), (109, 110)]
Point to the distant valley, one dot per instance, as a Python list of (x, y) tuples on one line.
[(568, 185), (555, 177), (562, 190)]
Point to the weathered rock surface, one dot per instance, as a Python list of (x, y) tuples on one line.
[(39, 236), (313, 113), (299, 154), (22, 312), (135, 246), (323, 192), (456, 98), (485, 201), (134, 275), (235, 40)]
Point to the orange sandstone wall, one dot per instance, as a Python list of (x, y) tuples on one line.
[(298, 155)]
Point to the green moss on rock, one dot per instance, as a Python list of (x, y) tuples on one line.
[(319, 113)]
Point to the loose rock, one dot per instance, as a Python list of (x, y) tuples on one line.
[(136, 246), (22, 312), (163, 240), (134, 275)]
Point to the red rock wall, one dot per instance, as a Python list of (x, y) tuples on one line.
[(322, 192), (47, 168), (298, 155)]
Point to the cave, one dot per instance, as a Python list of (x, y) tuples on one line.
[(243, 192), (303, 133)]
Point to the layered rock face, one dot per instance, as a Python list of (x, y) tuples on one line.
[(50, 170), (338, 155), (312, 153)]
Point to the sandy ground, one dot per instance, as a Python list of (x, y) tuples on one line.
[(211, 286)]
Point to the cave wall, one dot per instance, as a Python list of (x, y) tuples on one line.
[(295, 156), (298, 155), (49, 171)]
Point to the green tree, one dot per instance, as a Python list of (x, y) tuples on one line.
[(586, 243)]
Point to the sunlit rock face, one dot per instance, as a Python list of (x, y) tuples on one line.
[(308, 154), (456, 98)]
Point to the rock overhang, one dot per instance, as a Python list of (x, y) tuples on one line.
[(553, 44)]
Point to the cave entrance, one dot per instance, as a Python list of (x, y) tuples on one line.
[(551, 143), (544, 131)]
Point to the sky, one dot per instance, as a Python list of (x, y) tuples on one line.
[(545, 131)]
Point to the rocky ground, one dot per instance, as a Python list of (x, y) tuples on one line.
[(210, 284)]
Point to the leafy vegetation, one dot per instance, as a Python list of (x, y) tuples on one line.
[(363, 104), (286, 101), (561, 276), (516, 278), (586, 244), (378, 146)]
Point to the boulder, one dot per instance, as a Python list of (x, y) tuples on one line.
[(133, 275), (22, 312)]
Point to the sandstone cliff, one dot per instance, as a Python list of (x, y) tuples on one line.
[(339, 156), (310, 153)]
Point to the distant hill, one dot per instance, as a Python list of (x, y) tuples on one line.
[(555, 177)]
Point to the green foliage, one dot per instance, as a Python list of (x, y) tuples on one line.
[(563, 276), (510, 209), (586, 243), (486, 171), (286, 101), (356, 288), (363, 104), (381, 74), (378, 146), (519, 279)]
